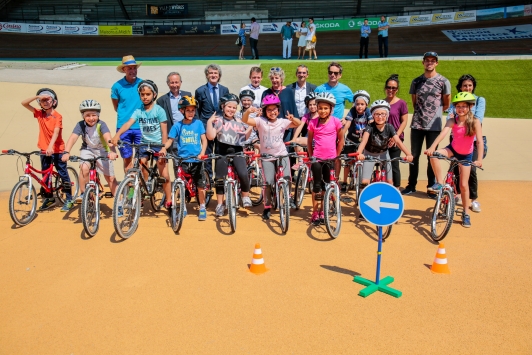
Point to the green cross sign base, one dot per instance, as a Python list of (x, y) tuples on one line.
[(373, 287)]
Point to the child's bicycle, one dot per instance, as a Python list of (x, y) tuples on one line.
[(255, 176), (94, 192), (304, 177), (444, 208), (23, 198), (355, 172), (379, 175), (280, 191), (183, 189), (133, 189)]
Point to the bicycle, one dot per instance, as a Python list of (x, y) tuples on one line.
[(444, 208), (94, 192), (380, 175), (23, 197), (134, 188), (355, 173), (183, 189), (304, 177), (280, 195), (255, 176)]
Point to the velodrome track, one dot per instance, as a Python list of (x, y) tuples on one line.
[(192, 294)]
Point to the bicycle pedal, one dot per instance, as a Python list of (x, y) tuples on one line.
[(108, 194)]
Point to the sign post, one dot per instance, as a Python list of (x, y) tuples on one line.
[(381, 204)]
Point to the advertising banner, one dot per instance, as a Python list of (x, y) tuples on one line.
[(346, 24), (490, 14), (490, 34), (398, 21), (200, 29), (116, 31), (420, 20), (34, 28), (274, 27), (89, 30), (160, 30), (515, 11), (528, 10), (233, 28), (71, 30), (167, 10), (465, 16), (53, 29), (445, 17), (13, 27), (137, 30)]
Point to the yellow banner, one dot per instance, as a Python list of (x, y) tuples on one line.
[(116, 31)]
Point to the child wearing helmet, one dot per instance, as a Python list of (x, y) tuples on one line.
[(375, 141), (231, 135), (356, 121), (94, 135), (325, 141), (50, 141), (190, 139), (152, 120), (271, 130), (465, 128), (246, 101), (301, 132)]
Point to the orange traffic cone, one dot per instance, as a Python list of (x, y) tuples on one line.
[(440, 266), (257, 264)]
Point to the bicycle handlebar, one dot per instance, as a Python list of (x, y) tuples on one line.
[(181, 159), (74, 158), (437, 155), (12, 151), (121, 143), (402, 160)]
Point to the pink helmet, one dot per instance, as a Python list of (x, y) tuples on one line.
[(270, 100)]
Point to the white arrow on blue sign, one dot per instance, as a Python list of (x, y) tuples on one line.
[(381, 204)]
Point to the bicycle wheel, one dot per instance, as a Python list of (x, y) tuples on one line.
[(158, 197), (231, 206), (178, 207), (333, 212), (442, 216), (90, 211), (22, 203), (208, 189), (59, 186), (284, 207), (357, 176), (127, 201), (256, 189), (301, 184)]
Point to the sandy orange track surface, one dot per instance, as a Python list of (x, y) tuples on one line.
[(157, 292)]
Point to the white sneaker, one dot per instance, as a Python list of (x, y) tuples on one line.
[(246, 202), (475, 206), (220, 210)]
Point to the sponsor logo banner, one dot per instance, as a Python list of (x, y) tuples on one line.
[(490, 14), (515, 11), (12, 27), (34, 28), (528, 10), (420, 20), (167, 10), (71, 30), (200, 29), (345, 25), (490, 34), (233, 28), (181, 30), (116, 31), (397, 21), (445, 17), (162, 30), (89, 30), (273, 27), (137, 29), (465, 16), (54, 29)]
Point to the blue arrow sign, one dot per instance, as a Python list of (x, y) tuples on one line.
[(381, 204)]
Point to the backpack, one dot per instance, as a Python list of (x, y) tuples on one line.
[(83, 126)]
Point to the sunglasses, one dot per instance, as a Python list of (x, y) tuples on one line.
[(275, 69), (430, 54), (335, 73), (393, 88)]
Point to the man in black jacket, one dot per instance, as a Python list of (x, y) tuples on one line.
[(301, 89), (170, 101)]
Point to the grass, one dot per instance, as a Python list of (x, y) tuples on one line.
[(501, 82)]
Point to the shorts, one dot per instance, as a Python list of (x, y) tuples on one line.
[(460, 156), (104, 167), (197, 171), (145, 153), (350, 149), (131, 136), (367, 167)]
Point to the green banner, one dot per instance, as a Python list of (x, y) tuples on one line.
[(345, 24)]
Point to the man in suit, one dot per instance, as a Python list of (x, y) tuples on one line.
[(170, 101), (208, 98), (301, 89)]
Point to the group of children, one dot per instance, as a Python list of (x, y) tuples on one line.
[(365, 128)]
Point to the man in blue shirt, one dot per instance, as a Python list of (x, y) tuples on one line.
[(287, 32), (383, 37), (365, 30), (340, 91), (126, 100)]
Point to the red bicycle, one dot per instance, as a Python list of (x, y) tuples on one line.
[(23, 198)]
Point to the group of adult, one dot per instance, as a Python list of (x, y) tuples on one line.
[(430, 94)]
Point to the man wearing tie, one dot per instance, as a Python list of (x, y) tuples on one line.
[(208, 97)]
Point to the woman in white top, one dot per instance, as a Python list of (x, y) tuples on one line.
[(311, 46), (302, 43)]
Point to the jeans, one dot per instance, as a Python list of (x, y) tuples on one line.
[(254, 51), (394, 153), (287, 48), (364, 42), (417, 137), (383, 42), (61, 168)]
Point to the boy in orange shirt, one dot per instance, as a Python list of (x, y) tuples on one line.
[(50, 142)]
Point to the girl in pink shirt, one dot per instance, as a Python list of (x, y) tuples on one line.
[(325, 141), (465, 128)]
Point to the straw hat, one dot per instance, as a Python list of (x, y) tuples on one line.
[(127, 60)]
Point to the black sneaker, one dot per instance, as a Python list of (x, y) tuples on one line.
[(266, 214), (408, 190), (343, 189), (432, 196)]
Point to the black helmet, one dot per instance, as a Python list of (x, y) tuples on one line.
[(150, 84), (227, 98), (187, 101), (53, 95), (247, 92)]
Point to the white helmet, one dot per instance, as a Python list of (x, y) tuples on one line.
[(326, 97), (89, 105), (380, 104), (361, 93)]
